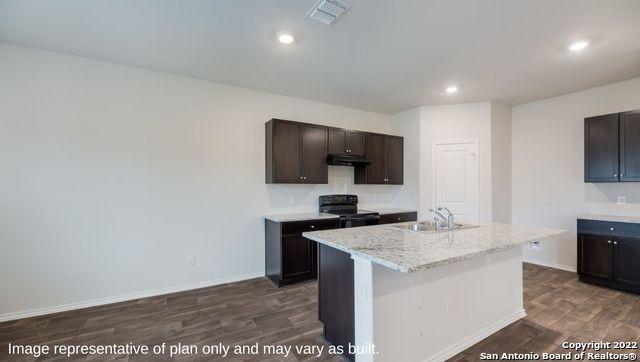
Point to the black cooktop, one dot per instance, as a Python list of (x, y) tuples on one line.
[(344, 205)]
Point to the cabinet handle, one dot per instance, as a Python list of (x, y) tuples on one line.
[(612, 229), (312, 226), (616, 175), (608, 241), (301, 178), (615, 243), (399, 219), (621, 175)]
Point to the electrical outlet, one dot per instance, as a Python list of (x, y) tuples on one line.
[(534, 244), (622, 200), (191, 261), (450, 308)]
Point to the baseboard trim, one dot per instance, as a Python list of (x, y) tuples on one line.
[(476, 337), (125, 297), (549, 264)]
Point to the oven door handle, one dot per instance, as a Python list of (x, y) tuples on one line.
[(367, 220)]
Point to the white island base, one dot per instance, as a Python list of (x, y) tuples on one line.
[(433, 314)]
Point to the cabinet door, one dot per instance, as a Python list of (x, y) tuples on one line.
[(601, 149), (314, 154), (356, 143), (337, 141), (595, 255), (394, 159), (376, 154), (627, 260), (630, 146), (287, 155), (297, 256)]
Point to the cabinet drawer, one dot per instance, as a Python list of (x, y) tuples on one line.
[(608, 228), (399, 217), (299, 227)]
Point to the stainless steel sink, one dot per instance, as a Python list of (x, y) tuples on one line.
[(430, 226)]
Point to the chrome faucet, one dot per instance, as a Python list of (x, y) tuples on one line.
[(437, 221), (450, 218)]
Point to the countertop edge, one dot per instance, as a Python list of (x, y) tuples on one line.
[(418, 268), (299, 217), (610, 218)]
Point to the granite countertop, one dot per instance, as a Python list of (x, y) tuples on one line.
[(612, 218), (387, 210), (299, 216), (410, 251)]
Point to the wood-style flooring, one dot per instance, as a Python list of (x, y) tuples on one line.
[(559, 308)]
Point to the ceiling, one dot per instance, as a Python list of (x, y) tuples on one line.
[(383, 56)]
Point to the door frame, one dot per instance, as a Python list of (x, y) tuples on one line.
[(472, 141)]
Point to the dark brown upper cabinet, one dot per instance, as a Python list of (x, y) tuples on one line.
[(601, 145), (346, 142), (386, 154), (630, 146), (296, 152), (612, 147)]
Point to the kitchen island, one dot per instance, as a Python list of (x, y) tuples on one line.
[(401, 295)]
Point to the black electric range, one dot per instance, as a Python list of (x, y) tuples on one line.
[(346, 206)]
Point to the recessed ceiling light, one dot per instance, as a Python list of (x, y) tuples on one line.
[(452, 89), (285, 38), (579, 45)]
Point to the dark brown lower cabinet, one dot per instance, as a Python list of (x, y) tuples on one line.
[(336, 309), (290, 257), (398, 217), (627, 261), (609, 254), (298, 256), (595, 255)]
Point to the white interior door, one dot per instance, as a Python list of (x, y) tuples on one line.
[(455, 171)]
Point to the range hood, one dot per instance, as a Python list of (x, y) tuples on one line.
[(345, 160)]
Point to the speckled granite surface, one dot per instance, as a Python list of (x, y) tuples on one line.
[(409, 251), (613, 218), (299, 216)]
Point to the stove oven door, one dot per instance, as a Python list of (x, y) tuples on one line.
[(360, 221)]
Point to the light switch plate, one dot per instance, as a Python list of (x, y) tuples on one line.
[(191, 261), (622, 200)]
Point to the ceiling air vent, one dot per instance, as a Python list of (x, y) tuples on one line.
[(327, 11)]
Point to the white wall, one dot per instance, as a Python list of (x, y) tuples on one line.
[(548, 166), (469, 121), (501, 162), (111, 176), (407, 124), (488, 123)]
